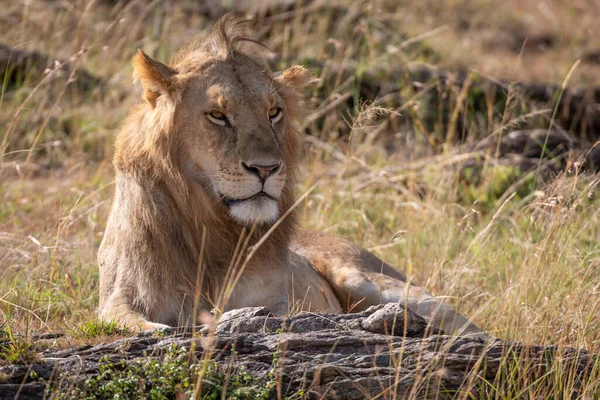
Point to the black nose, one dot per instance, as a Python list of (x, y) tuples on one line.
[(262, 171)]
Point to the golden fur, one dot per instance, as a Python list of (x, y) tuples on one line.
[(205, 167)]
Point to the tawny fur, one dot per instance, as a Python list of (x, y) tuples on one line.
[(172, 237)]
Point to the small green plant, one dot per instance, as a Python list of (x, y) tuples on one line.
[(170, 376), (140, 379), (17, 352), (490, 184), (98, 328), (15, 349), (239, 385)]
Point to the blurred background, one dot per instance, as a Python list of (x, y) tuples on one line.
[(454, 139)]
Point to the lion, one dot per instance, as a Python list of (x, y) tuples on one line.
[(203, 215)]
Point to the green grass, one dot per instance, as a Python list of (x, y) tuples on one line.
[(17, 352), (15, 349), (99, 328)]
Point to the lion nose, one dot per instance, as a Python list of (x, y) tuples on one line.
[(262, 171)]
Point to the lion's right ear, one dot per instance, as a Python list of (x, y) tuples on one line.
[(156, 77)]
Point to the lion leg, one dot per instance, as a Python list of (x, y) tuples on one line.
[(119, 311), (360, 280), (391, 290)]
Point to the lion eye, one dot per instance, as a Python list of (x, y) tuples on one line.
[(217, 117), (275, 114)]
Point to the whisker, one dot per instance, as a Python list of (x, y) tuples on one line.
[(203, 174)]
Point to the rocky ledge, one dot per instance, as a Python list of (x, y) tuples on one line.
[(383, 350)]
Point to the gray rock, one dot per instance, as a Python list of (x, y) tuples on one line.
[(390, 319), (250, 319), (341, 356)]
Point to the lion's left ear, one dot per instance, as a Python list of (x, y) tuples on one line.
[(291, 84), (156, 78), (297, 77)]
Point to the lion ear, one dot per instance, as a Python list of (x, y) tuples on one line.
[(156, 77), (291, 84), (296, 77)]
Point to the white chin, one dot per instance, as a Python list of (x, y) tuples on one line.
[(255, 211)]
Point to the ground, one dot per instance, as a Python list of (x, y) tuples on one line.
[(516, 250)]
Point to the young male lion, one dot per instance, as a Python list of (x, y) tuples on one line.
[(204, 169)]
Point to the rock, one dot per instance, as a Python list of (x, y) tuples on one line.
[(388, 319), (524, 148), (343, 356), (530, 143), (250, 319)]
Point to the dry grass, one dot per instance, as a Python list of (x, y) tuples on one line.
[(525, 264), (527, 40)]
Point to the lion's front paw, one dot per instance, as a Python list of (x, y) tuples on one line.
[(151, 327)]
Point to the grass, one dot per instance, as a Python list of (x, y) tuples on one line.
[(17, 352), (173, 376), (519, 255), (99, 328), (15, 349)]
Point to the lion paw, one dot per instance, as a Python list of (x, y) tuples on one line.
[(151, 327)]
